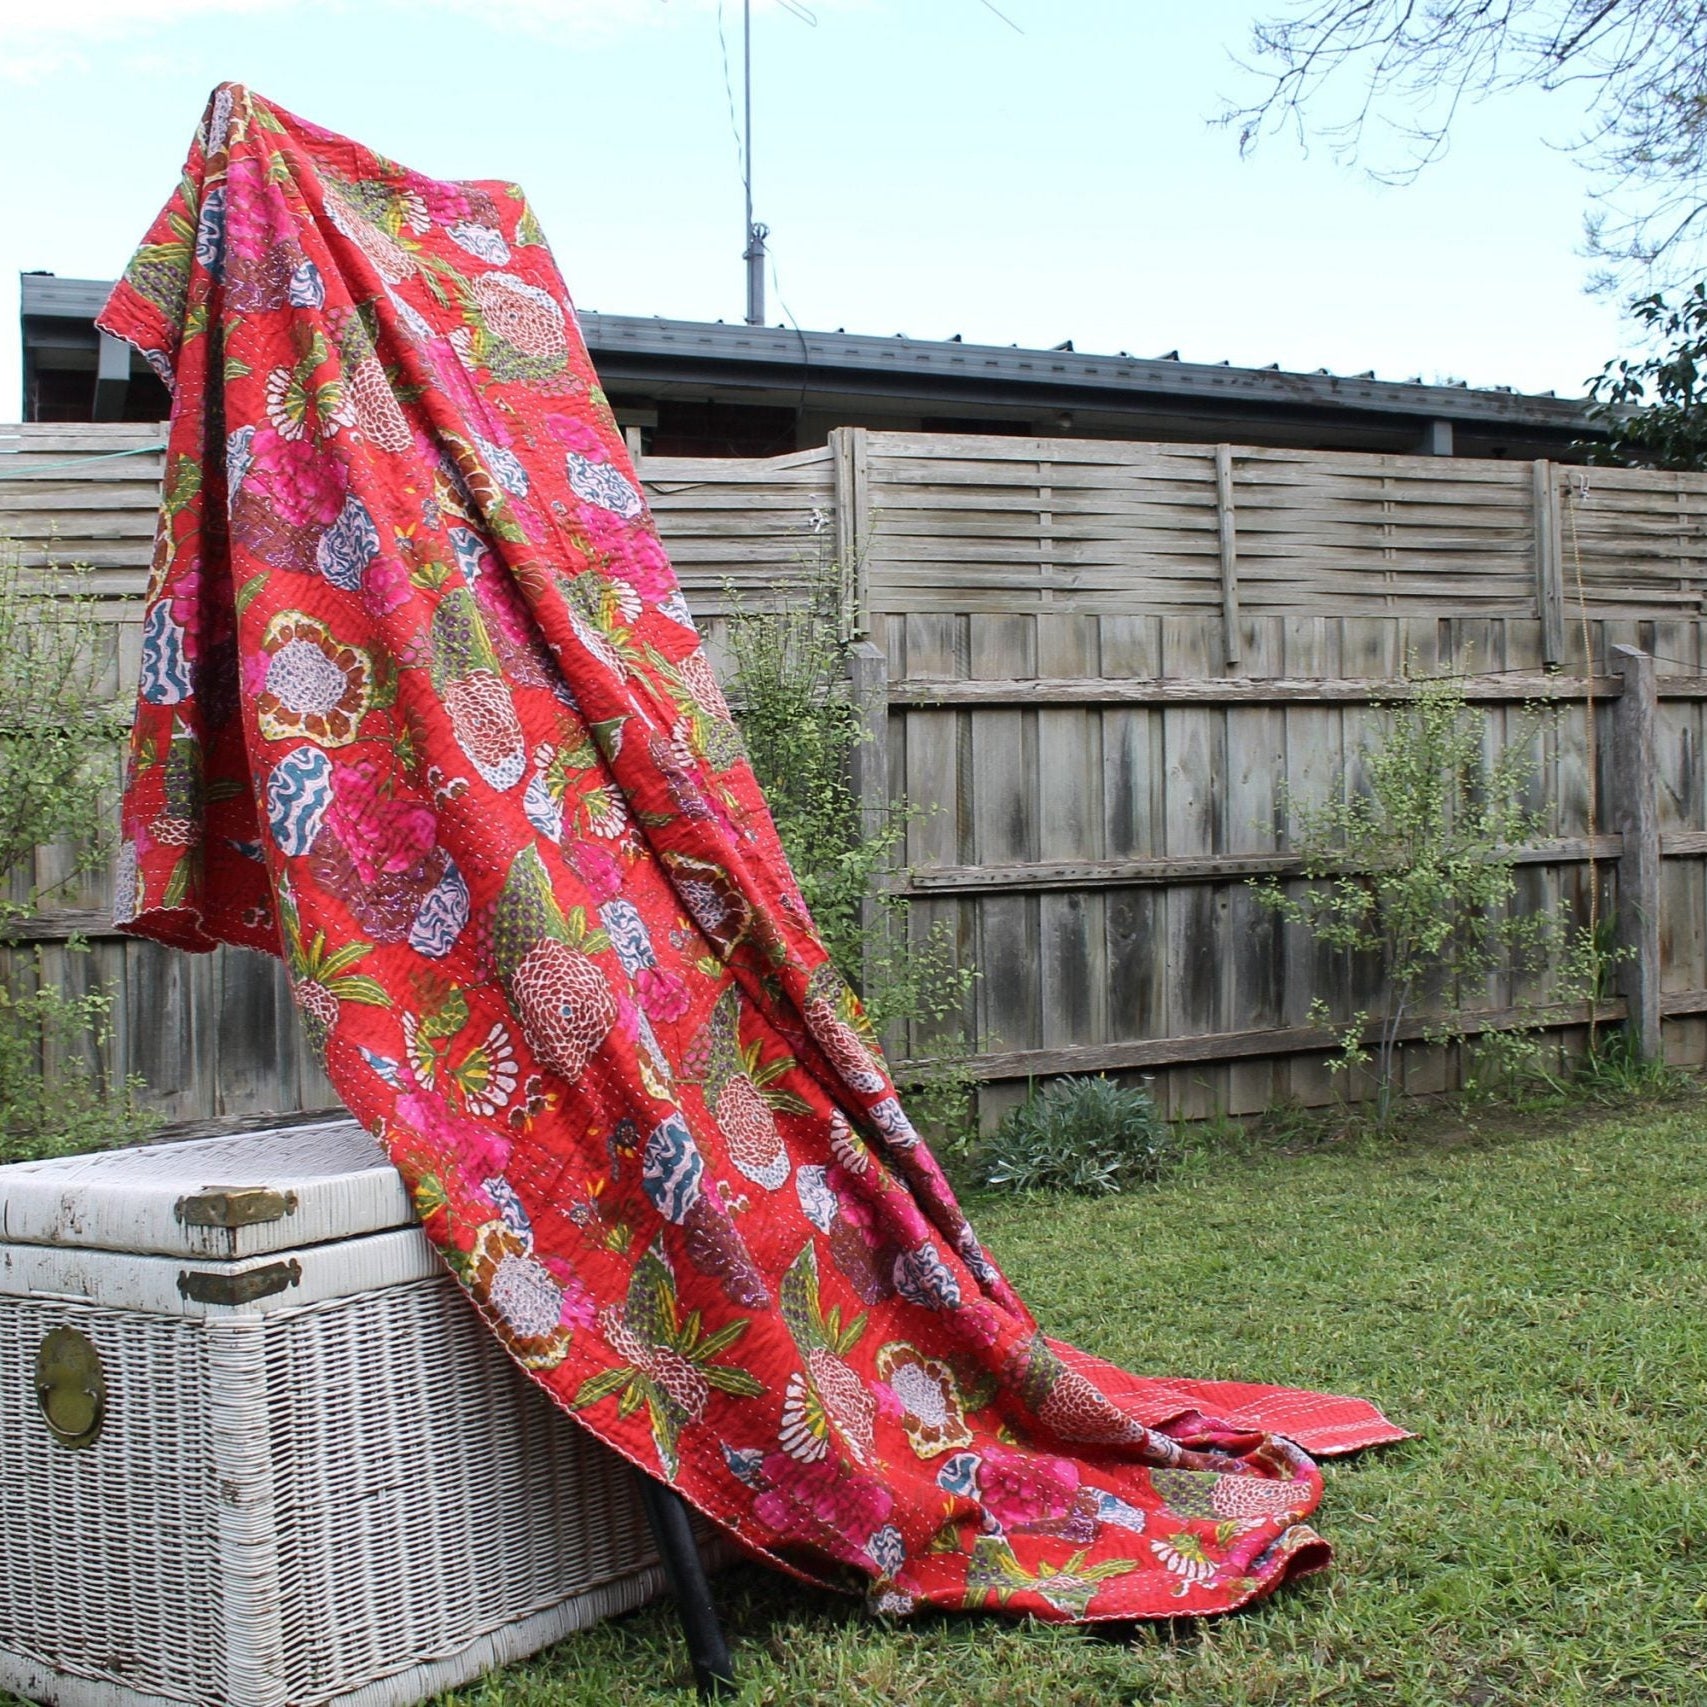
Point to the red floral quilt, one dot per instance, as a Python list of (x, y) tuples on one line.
[(423, 711)]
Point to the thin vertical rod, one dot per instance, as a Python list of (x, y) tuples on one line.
[(667, 1513), (755, 250), (747, 124)]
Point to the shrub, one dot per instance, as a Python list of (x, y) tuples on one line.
[(1087, 1135), (1418, 873), (1654, 411), (54, 1098), (791, 699), (791, 702), (57, 739)]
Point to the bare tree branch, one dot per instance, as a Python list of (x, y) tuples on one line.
[(1384, 81)]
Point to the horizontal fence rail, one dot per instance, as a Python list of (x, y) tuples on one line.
[(1517, 689), (1106, 676)]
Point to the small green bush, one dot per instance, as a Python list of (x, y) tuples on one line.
[(1417, 874), (54, 1098), (1086, 1135), (801, 729), (59, 733)]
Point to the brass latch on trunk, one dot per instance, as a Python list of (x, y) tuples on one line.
[(235, 1206), (243, 1287)]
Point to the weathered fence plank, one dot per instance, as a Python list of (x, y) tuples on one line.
[(1517, 687), (1101, 670), (1229, 557), (1549, 574), (1294, 1043), (1637, 817)]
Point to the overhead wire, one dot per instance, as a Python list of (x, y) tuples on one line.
[(805, 352), (729, 92), (990, 6)]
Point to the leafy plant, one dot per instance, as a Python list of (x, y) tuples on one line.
[(1418, 872), (57, 737), (1655, 410), (1086, 1135), (801, 727), (1613, 1071), (792, 700)]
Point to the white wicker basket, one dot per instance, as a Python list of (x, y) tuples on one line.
[(335, 1487)]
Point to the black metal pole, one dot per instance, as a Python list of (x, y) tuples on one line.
[(667, 1512)]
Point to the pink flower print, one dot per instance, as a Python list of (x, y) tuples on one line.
[(908, 1220), (445, 203), (187, 599), (257, 214), (645, 567), (979, 1323), (204, 614), (599, 869), (475, 1149), (385, 586), (255, 667), (383, 836), (300, 481), (632, 550), (579, 1310), (855, 1205), (664, 995), (1018, 1487), (502, 602), (575, 434), (823, 1503)]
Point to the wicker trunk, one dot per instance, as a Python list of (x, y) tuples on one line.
[(258, 1451)]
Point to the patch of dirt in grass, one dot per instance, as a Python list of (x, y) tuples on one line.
[(1452, 1122)]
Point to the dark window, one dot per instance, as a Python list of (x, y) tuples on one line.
[(68, 394), (721, 429), (971, 424)]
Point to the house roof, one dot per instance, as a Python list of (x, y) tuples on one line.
[(847, 372), (629, 342)]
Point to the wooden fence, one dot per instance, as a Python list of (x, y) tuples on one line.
[(1104, 669)]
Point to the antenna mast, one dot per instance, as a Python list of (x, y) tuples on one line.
[(756, 234)]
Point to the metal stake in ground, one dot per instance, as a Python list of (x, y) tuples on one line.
[(667, 1512)]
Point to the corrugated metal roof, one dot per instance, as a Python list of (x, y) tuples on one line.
[(787, 350), (787, 353)]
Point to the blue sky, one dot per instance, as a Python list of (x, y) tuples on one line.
[(924, 168)]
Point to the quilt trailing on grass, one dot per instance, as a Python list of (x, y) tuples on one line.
[(423, 711)]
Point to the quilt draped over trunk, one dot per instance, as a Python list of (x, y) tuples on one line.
[(422, 710)]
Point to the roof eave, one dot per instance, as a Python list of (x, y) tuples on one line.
[(1045, 372), (1042, 378)]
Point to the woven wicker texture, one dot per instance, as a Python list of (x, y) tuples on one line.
[(337, 1180), (113, 1553), (294, 1504), (285, 1155), (437, 1531)]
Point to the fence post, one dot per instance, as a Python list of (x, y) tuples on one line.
[(1549, 569), (851, 472), (1636, 817), (1229, 557), (868, 688)]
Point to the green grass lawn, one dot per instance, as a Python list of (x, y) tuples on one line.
[(1531, 1300)]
